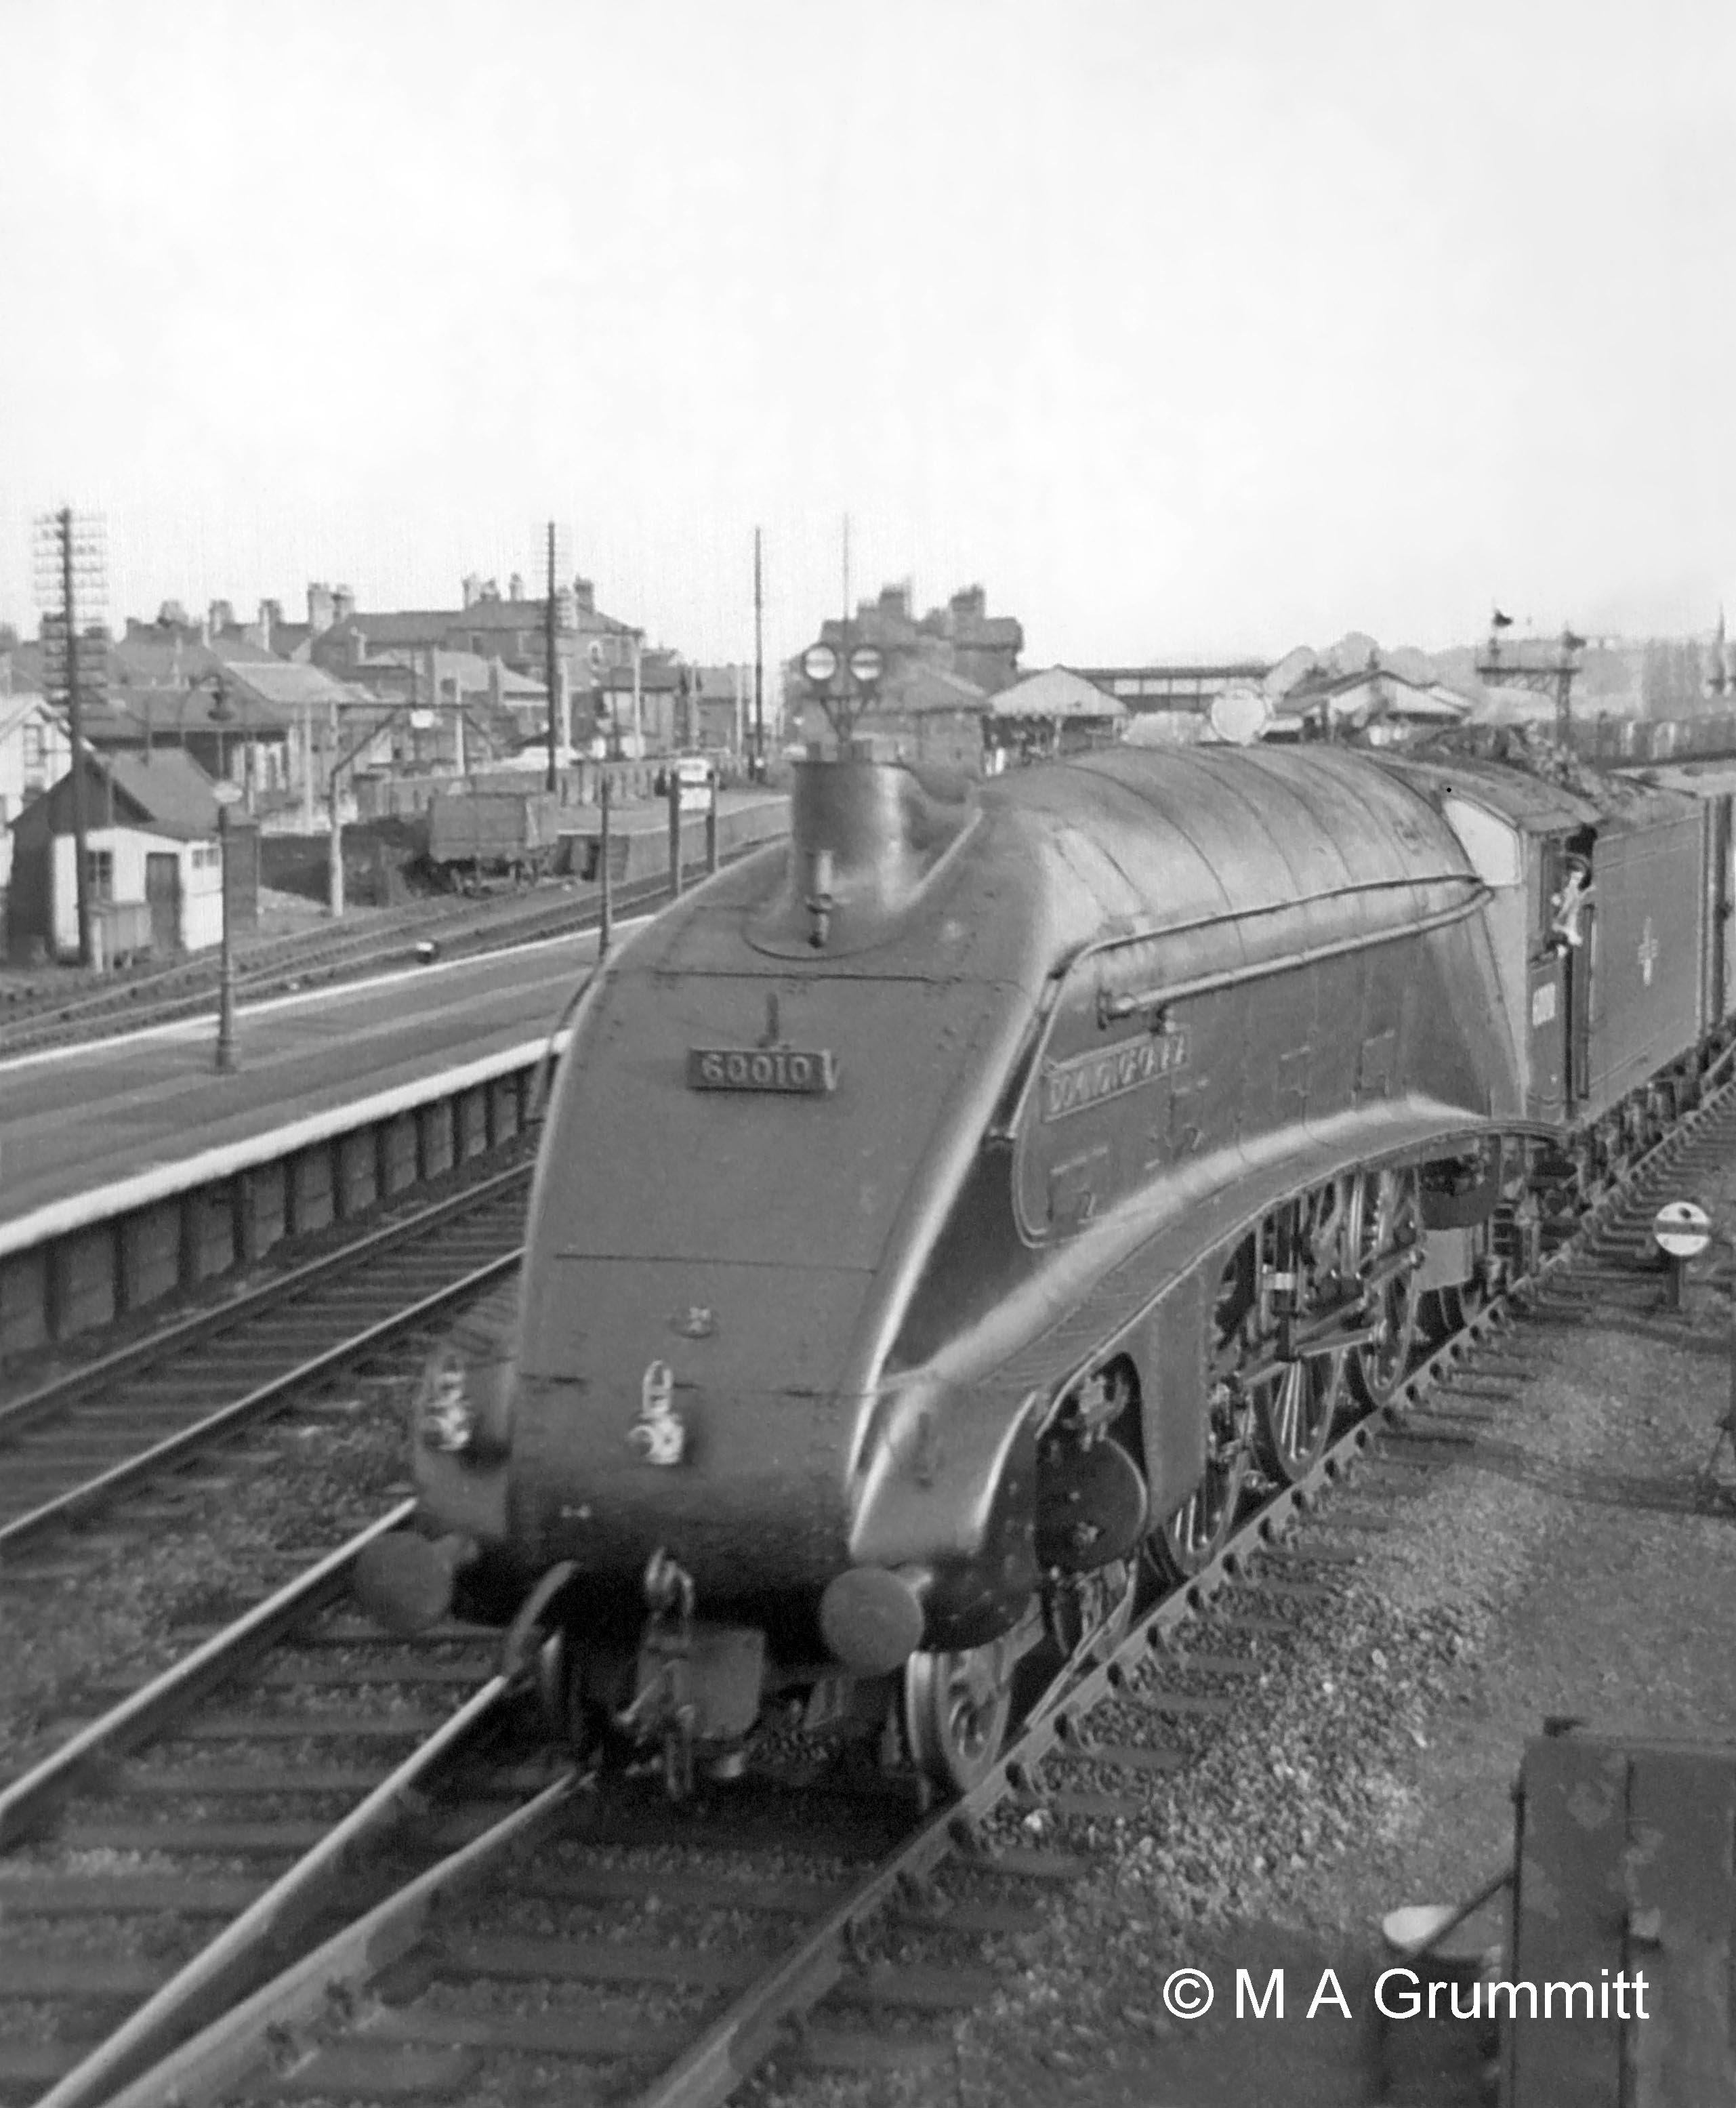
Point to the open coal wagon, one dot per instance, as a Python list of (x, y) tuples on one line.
[(477, 835)]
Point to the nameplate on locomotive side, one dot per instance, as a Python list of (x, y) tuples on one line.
[(1106, 1072), (797, 1072)]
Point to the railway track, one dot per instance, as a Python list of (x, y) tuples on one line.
[(191, 990), (581, 1923), (287, 1754), (85, 1444), (131, 1002)]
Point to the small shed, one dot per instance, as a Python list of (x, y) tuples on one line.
[(150, 836)]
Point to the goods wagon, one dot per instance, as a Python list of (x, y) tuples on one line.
[(474, 834)]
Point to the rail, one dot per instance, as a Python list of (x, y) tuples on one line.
[(455, 1248), (331, 1977)]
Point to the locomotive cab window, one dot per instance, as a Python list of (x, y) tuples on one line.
[(1492, 845)]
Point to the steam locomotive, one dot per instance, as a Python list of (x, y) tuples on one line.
[(941, 1220)]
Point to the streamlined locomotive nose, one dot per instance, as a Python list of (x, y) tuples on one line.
[(691, 1407)]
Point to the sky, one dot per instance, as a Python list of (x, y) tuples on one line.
[(1185, 330)]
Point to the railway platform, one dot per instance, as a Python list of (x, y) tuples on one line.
[(130, 1167), (131, 1170), (82, 1120)]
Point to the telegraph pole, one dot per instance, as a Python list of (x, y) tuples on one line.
[(81, 851), (758, 663), (69, 554), (550, 667)]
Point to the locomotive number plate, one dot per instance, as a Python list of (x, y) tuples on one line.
[(795, 1071)]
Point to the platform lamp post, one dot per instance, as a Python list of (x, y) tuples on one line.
[(227, 795), (606, 915)]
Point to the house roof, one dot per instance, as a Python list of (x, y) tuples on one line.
[(168, 795), (290, 684), (917, 687), (17, 708), (394, 631), (408, 626), (170, 790), (195, 709), (133, 660), (500, 615), (1059, 692), (105, 722), (485, 615)]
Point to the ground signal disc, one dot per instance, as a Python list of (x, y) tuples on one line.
[(1682, 1228)]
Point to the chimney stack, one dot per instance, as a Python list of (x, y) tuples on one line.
[(343, 604), (470, 586), (320, 616)]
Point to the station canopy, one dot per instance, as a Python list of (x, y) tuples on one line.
[(1057, 695)]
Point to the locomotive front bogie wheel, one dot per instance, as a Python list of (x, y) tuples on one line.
[(1294, 1409), (957, 1706)]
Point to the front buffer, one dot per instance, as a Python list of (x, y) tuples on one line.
[(669, 1556)]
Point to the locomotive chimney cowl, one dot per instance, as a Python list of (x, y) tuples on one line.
[(867, 840)]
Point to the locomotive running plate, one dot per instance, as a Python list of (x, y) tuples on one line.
[(792, 1070)]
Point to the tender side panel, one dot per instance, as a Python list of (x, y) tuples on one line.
[(1646, 949)]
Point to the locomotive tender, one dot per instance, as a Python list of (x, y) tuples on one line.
[(939, 1218)]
